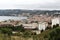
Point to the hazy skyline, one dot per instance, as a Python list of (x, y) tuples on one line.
[(30, 4)]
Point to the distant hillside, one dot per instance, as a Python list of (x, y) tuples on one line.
[(18, 11)]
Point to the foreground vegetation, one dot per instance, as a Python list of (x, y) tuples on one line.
[(6, 33)]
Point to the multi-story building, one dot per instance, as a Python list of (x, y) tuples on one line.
[(42, 26), (30, 26), (55, 21)]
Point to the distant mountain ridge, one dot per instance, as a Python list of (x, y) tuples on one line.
[(8, 12)]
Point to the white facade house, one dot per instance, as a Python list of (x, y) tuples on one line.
[(55, 21), (42, 26)]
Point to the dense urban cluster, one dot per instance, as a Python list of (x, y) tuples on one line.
[(32, 26)]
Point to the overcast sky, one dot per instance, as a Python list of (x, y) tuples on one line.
[(30, 4)]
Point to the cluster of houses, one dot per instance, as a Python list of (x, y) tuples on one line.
[(36, 23)]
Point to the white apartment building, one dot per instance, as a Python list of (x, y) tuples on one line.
[(42, 26), (30, 26), (55, 21)]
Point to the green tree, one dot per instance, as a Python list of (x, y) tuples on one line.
[(48, 28), (54, 26), (6, 31), (55, 34), (20, 28), (36, 21), (57, 25)]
